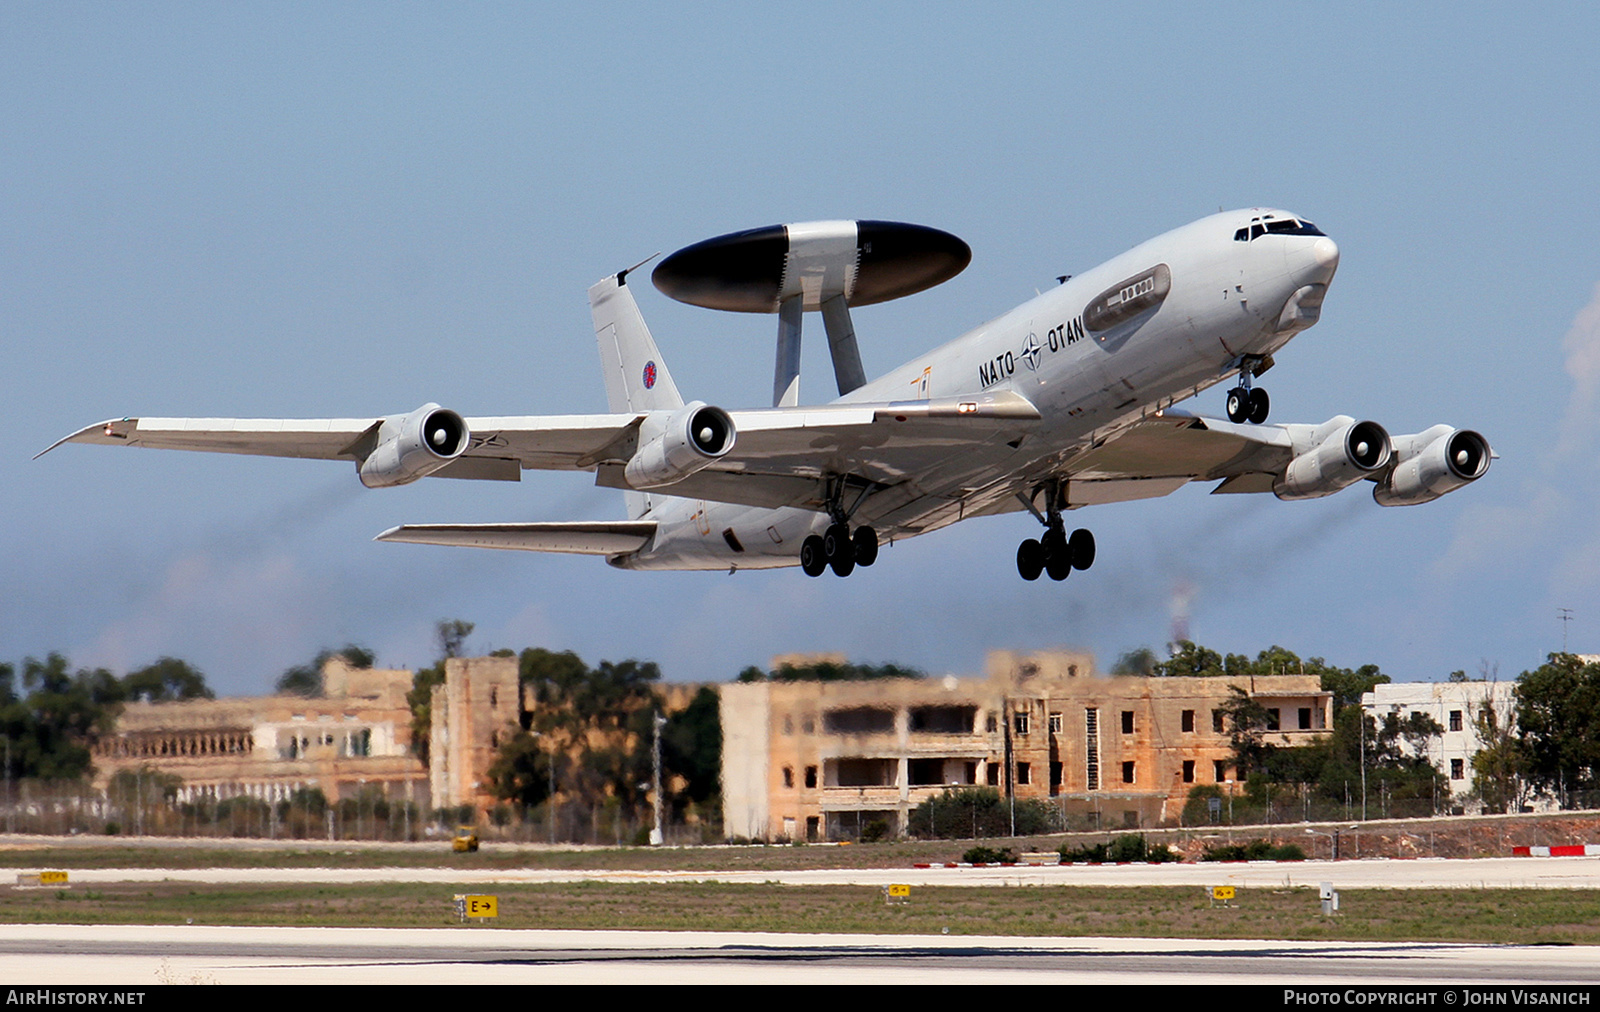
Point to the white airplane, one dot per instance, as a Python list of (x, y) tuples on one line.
[(1066, 401)]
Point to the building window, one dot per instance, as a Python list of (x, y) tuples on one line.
[(1305, 718), (1188, 722), (811, 776), (1219, 771), (1055, 723), (1127, 721), (1274, 720), (990, 724), (1127, 773), (1024, 773), (1458, 769), (1091, 741), (993, 774), (1216, 722), (788, 776), (1019, 722), (1188, 771), (1055, 778), (1455, 720)]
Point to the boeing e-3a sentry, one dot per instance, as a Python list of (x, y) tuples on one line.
[(1068, 400)]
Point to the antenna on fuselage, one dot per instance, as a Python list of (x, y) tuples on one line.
[(820, 266)]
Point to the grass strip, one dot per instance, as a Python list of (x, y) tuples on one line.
[(1487, 915)]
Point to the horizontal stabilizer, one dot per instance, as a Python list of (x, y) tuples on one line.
[(599, 537)]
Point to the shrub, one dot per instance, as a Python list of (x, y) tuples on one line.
[(988, 855), (1255, 850), (978, 812), (1131, 848)]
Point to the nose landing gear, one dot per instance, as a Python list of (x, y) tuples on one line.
[(1247, 403)]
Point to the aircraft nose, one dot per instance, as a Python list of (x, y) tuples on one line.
[(1326, 253)]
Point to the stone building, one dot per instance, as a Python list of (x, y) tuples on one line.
[(480, 707), (356, 736), (819, 760)]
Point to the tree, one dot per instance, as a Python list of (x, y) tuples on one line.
[(450, 635), (1558, 710), (54, 728), (306, 679), (1190, 660), (521, 770), (1499, 764), (830, 671), (691, 746), (1139, 661), (166, 680), (1247, 721), (453, 635)]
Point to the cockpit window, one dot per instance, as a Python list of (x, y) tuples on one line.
[(1292, 227), (1269, 226)]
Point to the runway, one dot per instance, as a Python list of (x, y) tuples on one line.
[(125, 956), (1419, 873)]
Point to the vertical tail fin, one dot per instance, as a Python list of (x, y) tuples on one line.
[(636, 377)]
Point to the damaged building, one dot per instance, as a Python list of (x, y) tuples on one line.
[(356, 736), (821, 760)]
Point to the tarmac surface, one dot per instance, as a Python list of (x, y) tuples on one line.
[(128, 957)]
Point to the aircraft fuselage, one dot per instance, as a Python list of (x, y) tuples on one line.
[(1137, 334)]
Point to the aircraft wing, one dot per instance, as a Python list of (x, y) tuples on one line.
[(781, 457), (1160, 454)]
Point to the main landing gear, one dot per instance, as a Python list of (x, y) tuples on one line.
[(1054, 553), (838, 549)]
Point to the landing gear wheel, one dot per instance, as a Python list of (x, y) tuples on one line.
[(813, 559), (1260, 404), (1057, 554), (1030, 559), (865, 541), (841, 553), (1081, 545), (1238, 405)]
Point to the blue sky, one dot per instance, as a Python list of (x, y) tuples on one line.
[(336, 210)]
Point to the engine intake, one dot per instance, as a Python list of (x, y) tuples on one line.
[(414, 446), (676, 444), (1434, 462), (1341, 452)]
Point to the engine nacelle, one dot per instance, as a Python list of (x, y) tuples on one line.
[(414, 446), (1340, 452), (676, 444), (1433, 462)]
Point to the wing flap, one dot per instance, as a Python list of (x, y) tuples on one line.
[(616, 537)]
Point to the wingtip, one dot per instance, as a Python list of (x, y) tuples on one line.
[(106, 425)]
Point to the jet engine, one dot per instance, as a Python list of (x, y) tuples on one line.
[(414, 446), (1337, 454), (676, 444), (1433, 462)]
